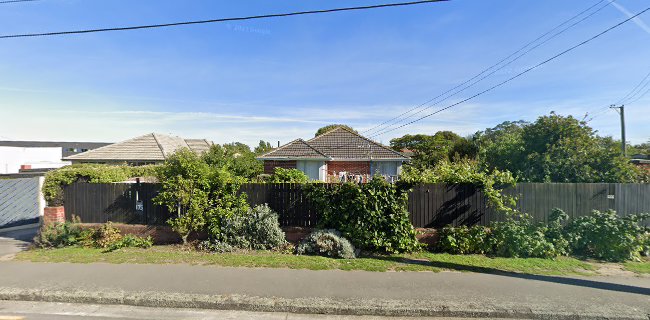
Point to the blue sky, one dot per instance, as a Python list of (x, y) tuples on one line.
[(279, 79)]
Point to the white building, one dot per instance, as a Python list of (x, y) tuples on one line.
[(12, 158)]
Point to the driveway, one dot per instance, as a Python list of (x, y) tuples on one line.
[(12, 242)]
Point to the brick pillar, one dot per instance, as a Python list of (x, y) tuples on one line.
[(53, 215)]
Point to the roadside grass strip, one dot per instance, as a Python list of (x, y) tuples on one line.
[(422, 261)]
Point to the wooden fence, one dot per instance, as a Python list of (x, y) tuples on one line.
[(429, 206)]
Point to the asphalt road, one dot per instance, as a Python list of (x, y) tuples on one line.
[(306, 291), (18, 310)]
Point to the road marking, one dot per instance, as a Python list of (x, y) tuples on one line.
[(11, 318)]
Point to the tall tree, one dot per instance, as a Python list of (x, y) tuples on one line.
[(554, 149), (263, 147), (429, 149), (331, 127)]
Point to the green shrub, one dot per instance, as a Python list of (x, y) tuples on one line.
[(201, 195), (281, 175), (327, 243), (520, 238), (130, 241), (606, 236), (257, 229), (106, 235), (59, 235), (373, 216), (56, 180), (464, 240)]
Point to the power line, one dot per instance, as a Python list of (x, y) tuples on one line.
[(521, 73), (628, 99), (184, 23), (633, 92), (392, 122)]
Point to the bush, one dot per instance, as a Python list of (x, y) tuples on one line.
[(464, 240), (106, 236), (521, 237), (373, 216), (202, 195), (72, 234), (59, 235), (281, 175), (606, 236), (328, 243), (131, 241), (257, 229)]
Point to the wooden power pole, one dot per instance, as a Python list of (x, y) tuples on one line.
[(621, 112)]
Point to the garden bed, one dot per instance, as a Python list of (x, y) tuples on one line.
[(423, 261)]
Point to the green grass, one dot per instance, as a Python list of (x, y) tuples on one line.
[(638, 267), (404, 262)]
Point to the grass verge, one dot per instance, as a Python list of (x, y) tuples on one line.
[(638, 267), (403, 262)]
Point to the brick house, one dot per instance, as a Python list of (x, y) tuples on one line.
[(338, 154)]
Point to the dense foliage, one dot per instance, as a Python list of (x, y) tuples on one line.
[(71, 233), (257, 229), (428, 150), (236, 158), (373, 215), (332, 127), (600, 235), (554, 149), (464, 240), (56, 180), (202, 195), (328, 243), (281, 175), (606, 236), (465, 171)]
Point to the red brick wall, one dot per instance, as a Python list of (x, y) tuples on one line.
[(354, 167), (53, 215), (270, 165)]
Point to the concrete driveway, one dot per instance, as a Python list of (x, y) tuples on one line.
[(14, 241)]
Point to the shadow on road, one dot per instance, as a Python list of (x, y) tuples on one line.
[(555, 279)]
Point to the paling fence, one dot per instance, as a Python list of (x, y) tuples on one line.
[(429, 206)]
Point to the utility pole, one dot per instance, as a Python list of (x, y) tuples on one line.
[(621, 112)]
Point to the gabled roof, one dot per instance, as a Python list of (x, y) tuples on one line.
[(296, 149), (336, 144), (149, 147)]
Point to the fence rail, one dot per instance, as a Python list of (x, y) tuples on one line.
[(429, 206)]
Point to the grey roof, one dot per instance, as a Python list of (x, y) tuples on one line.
[(336, 144), (296, 149), (149, 147)]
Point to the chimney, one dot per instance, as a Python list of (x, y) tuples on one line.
[(278, 143)]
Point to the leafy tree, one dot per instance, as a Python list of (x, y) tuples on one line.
[(642, 148), (331, 127), (202, 195), (235, 157), (263, 147), (431, 149), (554, 149)]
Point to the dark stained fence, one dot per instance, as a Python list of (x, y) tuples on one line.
[(429, 206)]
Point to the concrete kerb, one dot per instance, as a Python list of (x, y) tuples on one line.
[(371, 307)]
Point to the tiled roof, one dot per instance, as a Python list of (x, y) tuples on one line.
[(149, 147), (295, 149), (336, 144)]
